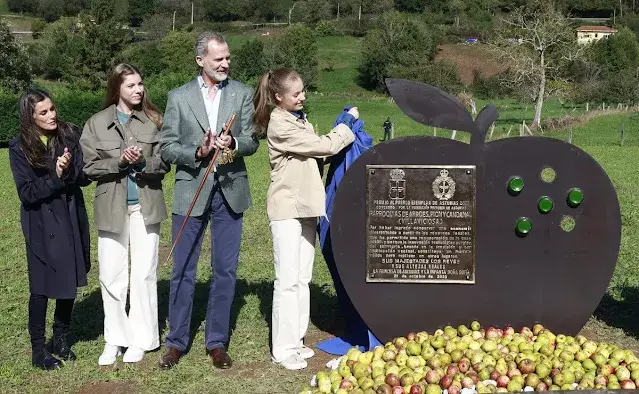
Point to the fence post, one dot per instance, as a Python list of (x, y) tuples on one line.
[(622, 135), (570, 135)]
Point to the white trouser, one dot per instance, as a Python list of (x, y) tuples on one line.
[(294, 251), (140, 327)]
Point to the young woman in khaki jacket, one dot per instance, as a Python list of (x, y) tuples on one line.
[(296, 198), (121, 152)]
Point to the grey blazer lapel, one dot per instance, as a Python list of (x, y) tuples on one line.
[(196, 103), (227, 102)]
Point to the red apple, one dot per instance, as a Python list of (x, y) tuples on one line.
[(398, 390), (513, 372), (542, 387), (346, 385), (452, 370), (446, 381), (627, 384), (494, 375), (454, 390), (601, 380), (467, 382), (474, 376), (526, 366), (463, 365), (492, 333), (416, 389), (392, 380), (502, 381), (384, 389), (432, 376)]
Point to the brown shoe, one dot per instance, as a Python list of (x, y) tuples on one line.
[(220, 358), (170, 358)]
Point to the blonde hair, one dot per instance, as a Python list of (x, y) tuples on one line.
[(270, 83)]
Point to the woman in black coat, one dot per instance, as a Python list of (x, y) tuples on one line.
[(46, 161)]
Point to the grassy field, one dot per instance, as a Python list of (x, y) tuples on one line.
[(615, 320), (3, 7), (250, 337)]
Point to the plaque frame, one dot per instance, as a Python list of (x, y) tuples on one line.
[(472, 170)]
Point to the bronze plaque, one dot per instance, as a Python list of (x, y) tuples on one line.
[(420, 223)]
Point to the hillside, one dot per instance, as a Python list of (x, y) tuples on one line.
[(470, 58)]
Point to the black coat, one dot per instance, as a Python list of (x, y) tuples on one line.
[(54, 222)]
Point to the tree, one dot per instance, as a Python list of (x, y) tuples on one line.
[(535, 43), (140, 10), (15, 73), (19, 6), (248, 62), (178, 52), (296, 47), (398, 41), (617, 53), (312, 11)]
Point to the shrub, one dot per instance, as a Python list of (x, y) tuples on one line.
[(326, 29), (492, 87), (296, 47), (248, 62), (178, 53), (442, 74), (397, 42), (15, 73), (36, 27), (145, 56)]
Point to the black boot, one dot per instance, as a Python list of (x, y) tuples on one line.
[(40, 356), (62, 322), (44, 360), (62, 349)]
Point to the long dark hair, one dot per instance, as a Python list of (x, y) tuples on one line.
[(36, 152), (115, 80), (271, 82)]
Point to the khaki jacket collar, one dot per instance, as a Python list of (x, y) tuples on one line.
[(287, 115), (135, 114)]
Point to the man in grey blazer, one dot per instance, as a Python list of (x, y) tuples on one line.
[(193, 122)]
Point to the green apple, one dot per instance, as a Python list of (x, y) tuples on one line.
[(413, 348), (366, 358), (437, 342), (463, 330)]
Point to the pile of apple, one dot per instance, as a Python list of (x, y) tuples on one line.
[(477, 360)]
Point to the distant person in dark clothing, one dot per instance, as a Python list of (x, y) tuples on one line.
[(387, 130)]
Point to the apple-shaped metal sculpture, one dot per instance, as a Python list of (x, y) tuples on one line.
[(429, 231)]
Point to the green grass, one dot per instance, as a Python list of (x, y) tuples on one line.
[(339, 57), (614, 321), (18, 22), (250, 337), (3, 7)]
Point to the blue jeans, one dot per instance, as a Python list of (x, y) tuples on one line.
[(226, 235)]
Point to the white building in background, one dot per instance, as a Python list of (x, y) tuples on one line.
[(588, 34)]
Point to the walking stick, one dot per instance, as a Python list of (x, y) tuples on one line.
[(199, 189)]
